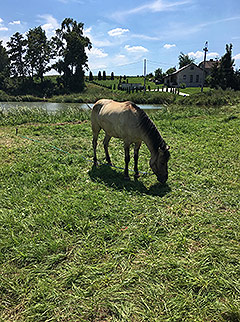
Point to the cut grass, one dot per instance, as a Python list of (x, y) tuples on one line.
[(79, 243)]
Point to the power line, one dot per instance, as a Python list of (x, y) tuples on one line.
[(118, 66), (159, 63)]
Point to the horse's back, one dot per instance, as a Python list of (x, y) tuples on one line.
[(117, 119)]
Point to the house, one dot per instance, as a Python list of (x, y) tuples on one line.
[(208, 66), (191, 75)]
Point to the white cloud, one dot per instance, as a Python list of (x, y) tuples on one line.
[(87, 31), (117, 32), (160, 5), (16, 22), (2, 28), (213, 55), (198, 55), (236, 57), (50, 24), (97, 39), (136, 49), (144, 37), (168, 46), (97, 52), (153, 6)]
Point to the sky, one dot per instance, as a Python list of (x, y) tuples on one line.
[(124, 33)]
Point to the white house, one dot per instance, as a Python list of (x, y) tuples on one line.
[(191, 75)]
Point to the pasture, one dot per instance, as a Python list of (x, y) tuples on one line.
[(79, 243)]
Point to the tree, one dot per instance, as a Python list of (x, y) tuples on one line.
[(159, 75), (39, 52), (223, 74), (99, 75), (184, 60), (171, 70), (70, 47), (4, 66), (90, 76), (16, 52), (104, 77), (226, 71), (112, 76)]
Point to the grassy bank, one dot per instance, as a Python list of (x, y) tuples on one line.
[(93, 92), (79, 243)]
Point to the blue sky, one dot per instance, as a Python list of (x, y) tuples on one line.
[(123, 33)]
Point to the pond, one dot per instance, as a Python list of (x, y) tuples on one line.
[(53, 107)]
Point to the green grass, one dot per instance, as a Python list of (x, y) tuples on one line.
[(79, 243), (194, 90)]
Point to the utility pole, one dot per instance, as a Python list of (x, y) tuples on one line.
[(205, 49), (144, 73)]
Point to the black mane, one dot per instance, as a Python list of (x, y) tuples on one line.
[(150, 129)]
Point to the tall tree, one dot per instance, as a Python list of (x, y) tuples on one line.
[(90, 76), (226, 70), (104, 77), (159, 74), (112, 75), (70, 46), (39, 52), (223, 74), (184, 60), (99, 75), (4, 66), (16, 52)]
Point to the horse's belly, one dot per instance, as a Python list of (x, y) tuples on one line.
[(120, 131)]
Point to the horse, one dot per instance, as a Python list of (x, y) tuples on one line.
[(127, 121)]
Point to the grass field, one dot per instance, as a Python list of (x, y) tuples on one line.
[(79, 243)]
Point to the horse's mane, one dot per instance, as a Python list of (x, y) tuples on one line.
[(150, 129)]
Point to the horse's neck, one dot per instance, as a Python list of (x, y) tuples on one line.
[(149, 144), (150, 134)]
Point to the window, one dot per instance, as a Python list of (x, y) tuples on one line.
[(184, 77), (192, 67), (197, 78), (191, 78)]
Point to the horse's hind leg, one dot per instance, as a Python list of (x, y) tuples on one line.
[(136, 154), (95, 130), (127, 159), (105, 143)]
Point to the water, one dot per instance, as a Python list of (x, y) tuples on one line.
[(53, 107)]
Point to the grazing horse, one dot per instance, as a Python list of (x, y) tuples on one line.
[(131, 124)]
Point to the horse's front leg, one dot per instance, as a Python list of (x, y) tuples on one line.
[(127, 159), (105, 143), (136, 155)]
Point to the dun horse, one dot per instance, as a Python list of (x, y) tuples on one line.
[(131, 124)]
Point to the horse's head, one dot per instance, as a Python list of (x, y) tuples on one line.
[(158, 164)]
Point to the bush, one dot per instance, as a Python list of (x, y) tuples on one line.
[(182, 85), (212, 98)]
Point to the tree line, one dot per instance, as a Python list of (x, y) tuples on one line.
[(27, 59)]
